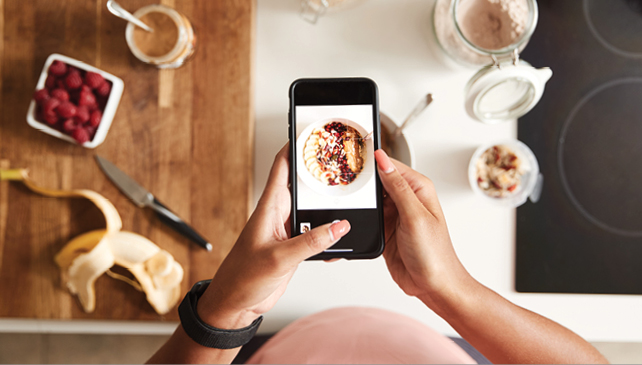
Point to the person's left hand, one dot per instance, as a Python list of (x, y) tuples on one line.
[(256, 272)]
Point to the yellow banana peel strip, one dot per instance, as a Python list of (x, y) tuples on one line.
[(86, 257), (127, 280), (114, 224)]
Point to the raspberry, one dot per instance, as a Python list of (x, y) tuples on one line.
[(50, 83), (73, 80), (91, 131), (69, 125), (104, 89), (60, 94), (40, 96), (80, 135), (58, 68), (50, 117), (66, 110), (86, 98), (82, 115), (49, 105), (95, 118), (60, 84), (93, 80)]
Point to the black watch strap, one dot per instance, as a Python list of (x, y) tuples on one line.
[(206, 335)]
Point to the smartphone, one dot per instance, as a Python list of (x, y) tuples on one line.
[(334, 131)]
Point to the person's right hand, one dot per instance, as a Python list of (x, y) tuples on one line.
[(422, 261), (419, 253)]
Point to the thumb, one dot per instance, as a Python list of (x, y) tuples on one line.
[(314, 242)]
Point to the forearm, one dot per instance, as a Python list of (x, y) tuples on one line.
[(180, 349), (506, 333)]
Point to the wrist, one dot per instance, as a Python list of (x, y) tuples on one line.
[(452, 295), (226, 319)]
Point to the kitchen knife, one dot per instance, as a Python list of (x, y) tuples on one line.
[(143, 198)]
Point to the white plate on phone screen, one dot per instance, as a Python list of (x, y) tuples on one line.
[(317, 186)]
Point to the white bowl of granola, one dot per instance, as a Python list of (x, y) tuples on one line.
[(505, 173)]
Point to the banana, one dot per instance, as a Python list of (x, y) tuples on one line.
[(88, 256), (130, 248), (173, 278), (84, 271), (125, 279), (77, 246), (162, 300), (160, 264), (112, 218)]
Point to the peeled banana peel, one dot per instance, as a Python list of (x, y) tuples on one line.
[(90, 255)]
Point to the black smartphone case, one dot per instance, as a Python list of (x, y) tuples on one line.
[(293, 169)]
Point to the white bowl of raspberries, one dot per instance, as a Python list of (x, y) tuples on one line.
[(74, 101)]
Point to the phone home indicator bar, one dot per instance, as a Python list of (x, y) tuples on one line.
[(339, 250)]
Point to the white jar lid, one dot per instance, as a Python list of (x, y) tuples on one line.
[(503, 92)]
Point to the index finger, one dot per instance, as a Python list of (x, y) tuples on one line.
[(421, 185), (401, 193), (278, 178)]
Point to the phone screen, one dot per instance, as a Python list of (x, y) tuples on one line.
[(335, 171)]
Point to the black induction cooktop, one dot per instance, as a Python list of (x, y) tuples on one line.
[(585, 234)]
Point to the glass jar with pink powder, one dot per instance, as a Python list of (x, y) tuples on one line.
[(481, 32), (491, 34)]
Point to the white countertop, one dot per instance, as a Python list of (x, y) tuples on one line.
[(392, 43)]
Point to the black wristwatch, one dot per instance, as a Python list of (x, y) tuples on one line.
[(206, 335)]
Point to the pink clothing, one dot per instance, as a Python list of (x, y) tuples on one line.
[(359, 336)]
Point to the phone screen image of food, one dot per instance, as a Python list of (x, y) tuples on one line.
[(336, 176)]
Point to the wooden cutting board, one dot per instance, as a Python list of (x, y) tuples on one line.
[(185, 134)]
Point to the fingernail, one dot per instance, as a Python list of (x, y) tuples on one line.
[(384, 162), (339, 229)]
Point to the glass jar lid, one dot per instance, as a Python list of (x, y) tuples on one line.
[(505, 91)]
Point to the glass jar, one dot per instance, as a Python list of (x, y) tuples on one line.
[(142, 44), (492, 33), (482, 32), (311, 10)]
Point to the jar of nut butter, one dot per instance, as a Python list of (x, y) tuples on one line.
[(170, 44)]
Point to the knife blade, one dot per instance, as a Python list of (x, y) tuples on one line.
[(143, 198)]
